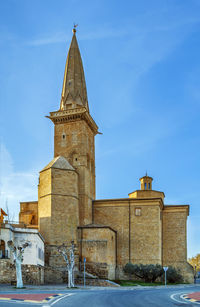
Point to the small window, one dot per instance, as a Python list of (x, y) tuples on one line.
[(75, 159), (149, 186), (63, 136), (137, 211), (145, 186)]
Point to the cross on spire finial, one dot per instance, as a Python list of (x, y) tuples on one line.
[(74, 28)]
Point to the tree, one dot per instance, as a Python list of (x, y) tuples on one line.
[(147, 272), (174, 275), (68, 255), (17, 252), (195, 261)]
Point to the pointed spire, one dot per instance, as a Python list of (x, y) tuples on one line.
[(74, 92)]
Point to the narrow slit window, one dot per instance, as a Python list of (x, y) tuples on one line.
[(137, 211)]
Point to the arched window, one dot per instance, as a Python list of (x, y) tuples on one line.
[(2, 249)]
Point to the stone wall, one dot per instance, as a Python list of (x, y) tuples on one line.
[(139, 237), (96, 282), (174, 234), (55, 270), (31, 274), (75, 141), (100, 270), (29, 213), (7, 271), (58, 208), (175, 240), (98, 246)]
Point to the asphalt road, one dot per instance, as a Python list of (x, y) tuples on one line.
[(138, 297)]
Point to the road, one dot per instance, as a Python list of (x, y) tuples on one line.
[(106, 297)]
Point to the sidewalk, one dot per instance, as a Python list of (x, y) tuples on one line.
[(63, 287)]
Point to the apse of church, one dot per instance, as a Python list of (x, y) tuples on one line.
[(109, 233)]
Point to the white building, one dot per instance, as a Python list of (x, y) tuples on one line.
[(33, 254)]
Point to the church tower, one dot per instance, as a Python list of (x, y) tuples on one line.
[(74, 130)]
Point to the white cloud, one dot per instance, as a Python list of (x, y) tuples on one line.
[(160, 20), (15, 186), (55, 38)]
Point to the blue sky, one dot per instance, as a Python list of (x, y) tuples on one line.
[(142, 68)]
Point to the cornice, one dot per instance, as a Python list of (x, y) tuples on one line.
[(123, 202), (59, 117), (177, 208), (96, 227)]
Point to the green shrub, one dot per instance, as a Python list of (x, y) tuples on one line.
[(174, 275), (147, 272)]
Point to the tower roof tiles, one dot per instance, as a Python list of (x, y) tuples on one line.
[(74, 87), (59, 162)]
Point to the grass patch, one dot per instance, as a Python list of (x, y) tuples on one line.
[(135, 283)]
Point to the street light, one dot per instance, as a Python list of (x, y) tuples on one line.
[(195, 272)]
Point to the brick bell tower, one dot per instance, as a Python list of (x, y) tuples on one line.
[(74, 130)]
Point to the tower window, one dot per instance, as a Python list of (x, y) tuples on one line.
[(149, 186), (75, 159), (145, 186), (63, 136)]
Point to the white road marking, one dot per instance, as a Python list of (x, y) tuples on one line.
[(173, 298), (60, 298)]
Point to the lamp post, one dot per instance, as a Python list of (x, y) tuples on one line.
[(84, 261)]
